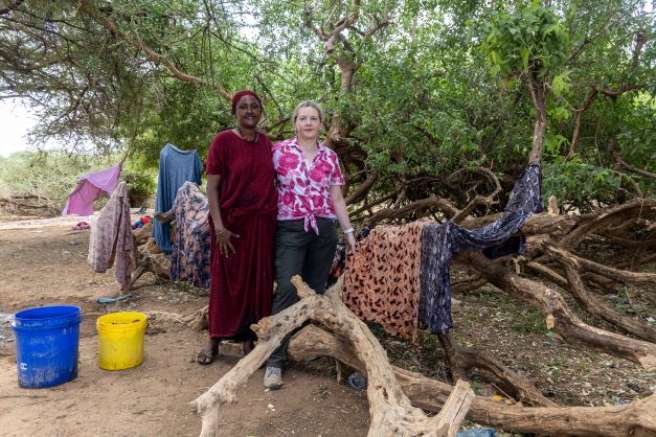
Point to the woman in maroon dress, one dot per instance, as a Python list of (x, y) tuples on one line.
[(242, 201)]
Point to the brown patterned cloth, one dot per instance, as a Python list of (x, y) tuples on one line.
[(382, 278), (111, 240), (401, 272)]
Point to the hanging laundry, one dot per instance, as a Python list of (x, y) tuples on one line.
[(382, 281), (89, 188), (190, 257), (440, 242), (399, 275), (111, 242), (175, 168)]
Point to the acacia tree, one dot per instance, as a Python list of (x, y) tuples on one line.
[(415, 90)]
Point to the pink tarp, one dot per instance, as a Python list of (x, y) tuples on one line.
[(90, 187)]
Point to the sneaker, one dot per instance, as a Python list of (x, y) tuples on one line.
[(273, 378)]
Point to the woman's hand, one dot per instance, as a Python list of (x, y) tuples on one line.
[(342, 216), (350, 242), (223, 237)]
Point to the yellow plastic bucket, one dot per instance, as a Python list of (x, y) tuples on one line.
[(121, 340)]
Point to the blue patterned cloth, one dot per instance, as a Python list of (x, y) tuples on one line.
[(190, 257), (440, 242)]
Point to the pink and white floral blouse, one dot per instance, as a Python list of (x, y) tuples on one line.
[(304, 188)]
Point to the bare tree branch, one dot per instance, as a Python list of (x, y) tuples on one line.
[(361, 191), (90, 10), (577, 120)]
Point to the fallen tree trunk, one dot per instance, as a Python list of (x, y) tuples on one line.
[(198, 320), (392, 413), (593, 304), (634, 419), (597, 307), (644, 261), (157, 263), (462, 287), (547, 272), (506, 379), (622, 212), (537, 224), (567, 324), (600, 269)]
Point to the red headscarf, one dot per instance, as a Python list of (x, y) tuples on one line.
[(239, 94)]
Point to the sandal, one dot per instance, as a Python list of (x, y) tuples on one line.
[(107, 300), (207, 355)]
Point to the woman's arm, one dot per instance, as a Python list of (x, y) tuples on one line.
[(342, 214), (222, 234)]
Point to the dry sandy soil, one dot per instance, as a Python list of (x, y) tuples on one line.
[(47, 265)]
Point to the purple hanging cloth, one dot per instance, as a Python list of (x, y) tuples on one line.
[(90, 187)]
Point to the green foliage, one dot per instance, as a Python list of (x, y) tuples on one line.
[(440, 86), (638, 136), (51, 175), (560, 84), (530, 321), (141, 186), (526, 36), (576, 183)]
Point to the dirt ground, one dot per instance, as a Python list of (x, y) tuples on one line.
[(47, 265)]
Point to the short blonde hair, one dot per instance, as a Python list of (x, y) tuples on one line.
[(307, 104)]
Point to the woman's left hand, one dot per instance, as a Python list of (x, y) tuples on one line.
[(350, 241)]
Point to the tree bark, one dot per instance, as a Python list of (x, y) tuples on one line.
[(392, 413), (508, 380), (577, 121), (597, 307), (619, 275), (567, 323), (627, 210), (634, 419), (536, 88), (363, 189)]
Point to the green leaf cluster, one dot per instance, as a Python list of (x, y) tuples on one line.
[(526, 36)]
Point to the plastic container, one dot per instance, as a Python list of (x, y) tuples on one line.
[(477, 432), (357, 380), (121, 340), (47, 345)]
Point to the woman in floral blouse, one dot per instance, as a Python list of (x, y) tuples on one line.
[(309, 203)]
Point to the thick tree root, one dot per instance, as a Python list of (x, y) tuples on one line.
[(634, 419), (567, 323), (392, 413)]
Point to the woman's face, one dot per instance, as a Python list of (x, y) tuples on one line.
[(307, 123), (248, 112)]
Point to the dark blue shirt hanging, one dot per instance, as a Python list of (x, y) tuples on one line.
[(440, 242), (175, 168)]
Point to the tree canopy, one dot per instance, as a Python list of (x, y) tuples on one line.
[(424, 96)]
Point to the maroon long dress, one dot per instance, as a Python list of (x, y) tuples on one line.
[(242, 284)]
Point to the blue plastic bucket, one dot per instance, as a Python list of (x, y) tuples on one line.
[(47, 345)]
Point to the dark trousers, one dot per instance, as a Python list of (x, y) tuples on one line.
[(300, 253)]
